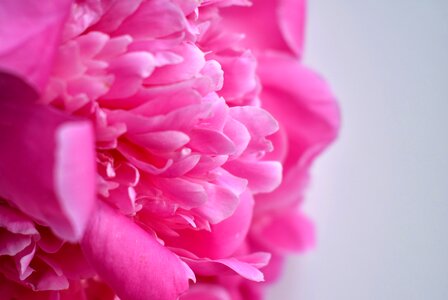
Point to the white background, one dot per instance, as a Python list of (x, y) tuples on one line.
[(380, 194)]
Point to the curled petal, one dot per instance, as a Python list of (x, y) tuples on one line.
[(55, 184), (247, 266), (224, 238), (263, 176), (146, 269)]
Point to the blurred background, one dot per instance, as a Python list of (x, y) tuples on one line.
[(380, 194)]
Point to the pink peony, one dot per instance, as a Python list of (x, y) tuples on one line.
[(154, 149)]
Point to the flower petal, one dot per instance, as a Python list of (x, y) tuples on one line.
[(131, 260), (55, 184), (29, 34)]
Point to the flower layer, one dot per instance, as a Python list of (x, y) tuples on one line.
[(146, 149)]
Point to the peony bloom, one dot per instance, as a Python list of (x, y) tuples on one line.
[(154, 149)]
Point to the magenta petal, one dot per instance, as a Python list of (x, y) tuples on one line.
[(224, 238), (156, 18), (247, 266), (291, 20), (131, 260), (263, 176), (288, 232), (11, 244), (29, 34), (47, 166), (305, 99), (210, 142), (205, 291)]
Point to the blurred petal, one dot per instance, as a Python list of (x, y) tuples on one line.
[(47, 166), (29, 33)]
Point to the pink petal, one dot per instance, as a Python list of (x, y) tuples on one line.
[(290, 231), (239, 75), (182, 191), (161, 141), (291, 20), (223, 239), (129, 70), (305, 99), (210, 142), (131, 260), (246, 267), (11, 244), (156, 18), (29, 34), (205, 291), (192, 64), (116, 12), (264, 33), (16, 222), (55, 184), (263, 176)]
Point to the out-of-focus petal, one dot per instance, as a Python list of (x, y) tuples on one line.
[(132, 260), (205, 291), (309, 116), (290, 231), (291, 20), (55, 184), (29, 33)]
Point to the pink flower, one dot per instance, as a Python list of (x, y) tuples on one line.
[(144, 145)]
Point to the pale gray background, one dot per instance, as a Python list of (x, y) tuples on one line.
[(380, 194)]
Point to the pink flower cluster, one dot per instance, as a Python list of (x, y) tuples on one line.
[(154, 149)]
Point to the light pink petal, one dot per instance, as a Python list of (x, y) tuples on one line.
[(290, 231), (129, 70), (263, 176), (161, 141), (181, 191), (239, 135), (223, 238), (153, 19), (115, 12), (210, 142), (259, 124), (264, 33), (146, 269), (142, 158), (123, 198), (192, 64), (29, 34), (239, 75), (247, 267), (56, 182)]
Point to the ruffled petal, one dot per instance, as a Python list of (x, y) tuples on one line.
[(223, 239)]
